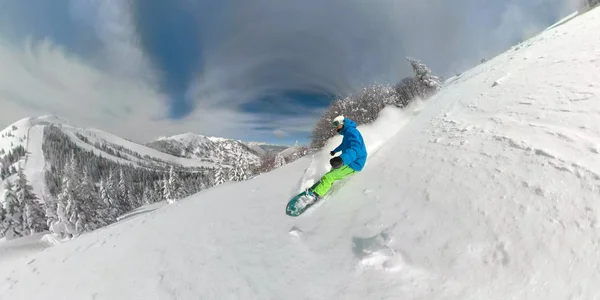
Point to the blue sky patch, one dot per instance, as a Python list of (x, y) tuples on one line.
[(170, 36)]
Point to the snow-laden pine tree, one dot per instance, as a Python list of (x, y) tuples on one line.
[(123, 193), (424, 75), (279, 160), (232, 174), (166, 190), (241, 170), (158, 190), (75, 206), (49, 207), (112, 190), (2, 219), (33, 213), (88, 216), (219, 175), (62, 227), (147, 198), (66, 204), (13, 223), (109, 210), (174, 186)]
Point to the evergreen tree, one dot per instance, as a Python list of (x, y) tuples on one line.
[(147, 198), (219, 176), (33, 213), (113, 194), (87, 214), (167, 194), (423, 74), (123, 193), (134, 201), (279, 160), (241, 170), (2, 220), (174, 186), (50, 211), (232, 174), (74, 206), (66, 205), (157, 189), (13, 223), (109, 211)]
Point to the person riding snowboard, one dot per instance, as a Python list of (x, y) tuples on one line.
[(352, 159)]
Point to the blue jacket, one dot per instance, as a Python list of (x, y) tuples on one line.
[(354, 152)]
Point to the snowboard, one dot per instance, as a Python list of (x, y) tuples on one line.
[(296, 207)]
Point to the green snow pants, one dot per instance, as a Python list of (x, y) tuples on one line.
[(328, 179)]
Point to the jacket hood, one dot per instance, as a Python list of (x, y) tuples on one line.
[(347, 124)]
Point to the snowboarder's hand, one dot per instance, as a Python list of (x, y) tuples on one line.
[(336, 162), (332, 153)]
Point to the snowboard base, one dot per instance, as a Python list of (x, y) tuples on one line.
[(296, 207)]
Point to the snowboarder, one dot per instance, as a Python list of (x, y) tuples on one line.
[(352, 159)]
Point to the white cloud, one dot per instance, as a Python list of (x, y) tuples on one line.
[(263, 48), (116, 90), (41, 78), (279, 133), (112, 24)]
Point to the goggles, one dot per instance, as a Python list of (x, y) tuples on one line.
[(336, 123)]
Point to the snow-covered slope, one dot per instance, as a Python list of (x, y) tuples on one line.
[(491, 191), (28, 133)]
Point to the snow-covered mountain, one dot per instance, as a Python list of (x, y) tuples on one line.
[(29, 133), (214, 150), (490, 190)]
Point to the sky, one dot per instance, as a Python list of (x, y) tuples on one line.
[(255, 70)]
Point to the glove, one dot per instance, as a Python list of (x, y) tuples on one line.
[(336, 162), (332, 153)]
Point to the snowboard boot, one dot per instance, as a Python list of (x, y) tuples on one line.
[(312, 195)]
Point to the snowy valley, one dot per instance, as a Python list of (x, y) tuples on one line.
[(488, 190)]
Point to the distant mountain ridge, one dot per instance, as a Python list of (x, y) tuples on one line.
[(216, 150)]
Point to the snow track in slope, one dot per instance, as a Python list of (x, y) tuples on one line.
[(35, 165)]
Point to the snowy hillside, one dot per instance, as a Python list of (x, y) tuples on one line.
[(491, 190), (26, 133)]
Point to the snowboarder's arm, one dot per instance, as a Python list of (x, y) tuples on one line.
[(349, 155), (337, 149)]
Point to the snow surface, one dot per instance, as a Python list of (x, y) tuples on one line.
[(29, 134), (35, 164), (484, 193)]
